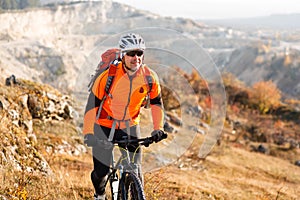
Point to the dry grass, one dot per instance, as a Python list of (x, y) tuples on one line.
[(70, 180), (228, 173)]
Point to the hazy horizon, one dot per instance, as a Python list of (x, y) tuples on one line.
[(216, 9)]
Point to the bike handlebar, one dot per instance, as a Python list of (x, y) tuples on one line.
[(142, 141)]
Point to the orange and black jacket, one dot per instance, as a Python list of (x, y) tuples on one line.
[(124, 102)]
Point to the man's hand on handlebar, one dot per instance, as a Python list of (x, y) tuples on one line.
[(158, 135)]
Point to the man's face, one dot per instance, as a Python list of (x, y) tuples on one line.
[(134, 59)]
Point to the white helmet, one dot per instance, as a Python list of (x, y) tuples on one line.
[(132, 41)]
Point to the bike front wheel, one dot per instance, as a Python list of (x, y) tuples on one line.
[(131, 187)]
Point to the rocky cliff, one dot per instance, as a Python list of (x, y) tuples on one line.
[(51, 44), (61, 44), (36, 120)]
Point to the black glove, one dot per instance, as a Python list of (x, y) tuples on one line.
[(90, 140), (158, 135), (147, 142)]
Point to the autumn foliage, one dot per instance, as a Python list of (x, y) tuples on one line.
[(265, 96)]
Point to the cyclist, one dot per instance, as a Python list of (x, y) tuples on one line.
[(120, 111)]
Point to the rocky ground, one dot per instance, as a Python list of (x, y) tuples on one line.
[(43, 157)]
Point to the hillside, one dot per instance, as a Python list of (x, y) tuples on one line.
[(54, 44), (53, 50), (228, 173), (268, 64), (60, 44), (42, 156)]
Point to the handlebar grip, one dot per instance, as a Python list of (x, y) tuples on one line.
[(165, 135), (147, 142)]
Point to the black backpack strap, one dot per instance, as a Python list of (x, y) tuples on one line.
[(149, 81), (112, 70), (148, 78)]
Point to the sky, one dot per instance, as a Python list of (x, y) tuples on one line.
[(216, 9)]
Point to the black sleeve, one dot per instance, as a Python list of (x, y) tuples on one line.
[(156, 101), (92, 102)]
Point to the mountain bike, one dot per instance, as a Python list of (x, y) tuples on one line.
[(123, 182)]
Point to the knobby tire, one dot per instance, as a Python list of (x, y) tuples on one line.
[(131, 188)]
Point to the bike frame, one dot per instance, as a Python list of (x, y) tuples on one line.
[(123, 165)]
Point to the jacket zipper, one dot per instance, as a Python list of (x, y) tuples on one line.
[(129, 94)]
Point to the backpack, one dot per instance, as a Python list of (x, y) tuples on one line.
[(107, 58), (109, 61)]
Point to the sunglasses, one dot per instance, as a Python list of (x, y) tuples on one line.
[(133, 53)]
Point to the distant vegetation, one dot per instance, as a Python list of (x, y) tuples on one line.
[(18, 4), (263, 96)]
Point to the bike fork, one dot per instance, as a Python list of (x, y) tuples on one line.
[(114, 182), (115, 186)]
